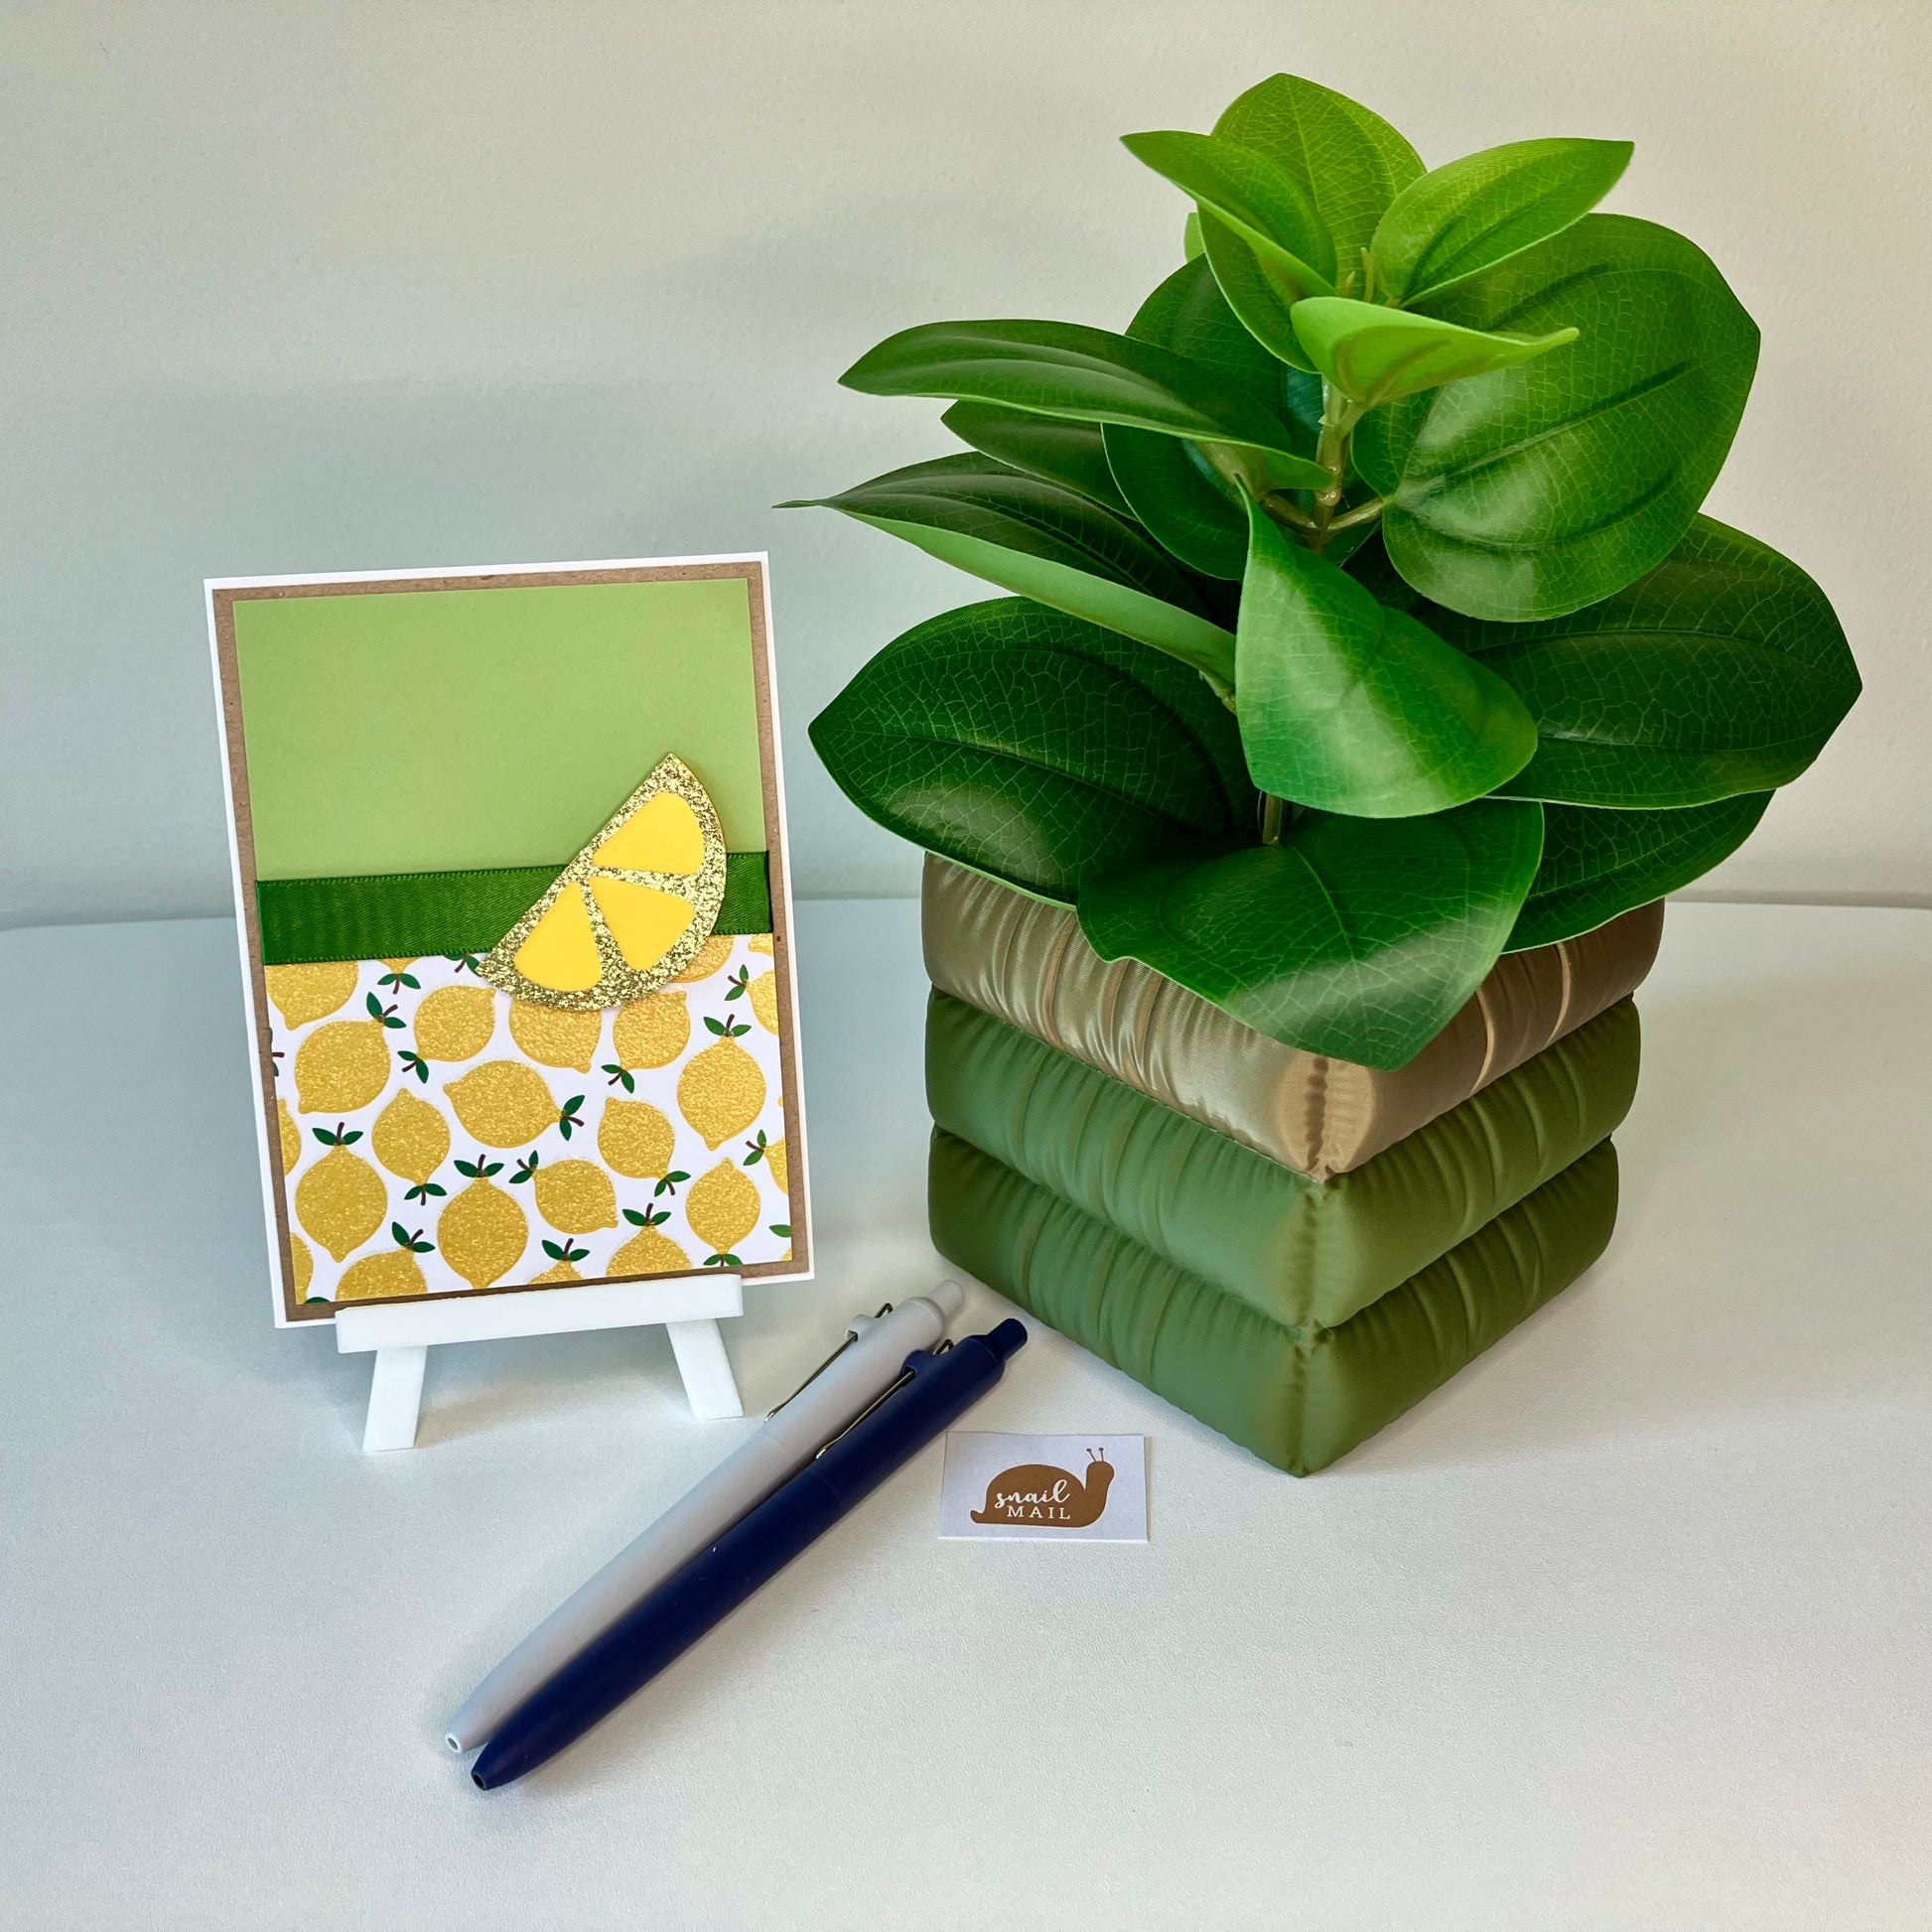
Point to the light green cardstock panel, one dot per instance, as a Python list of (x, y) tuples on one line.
[(452, 729)]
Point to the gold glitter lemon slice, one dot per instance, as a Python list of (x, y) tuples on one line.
[(631, 911)]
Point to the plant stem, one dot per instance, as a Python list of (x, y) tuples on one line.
[(1339, 419), (1273, 812)]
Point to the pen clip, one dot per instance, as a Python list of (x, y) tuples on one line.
[(851, 1335), (892, 1388)]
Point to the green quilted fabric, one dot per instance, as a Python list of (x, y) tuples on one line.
[(1293, 1249), (1298, 1396)]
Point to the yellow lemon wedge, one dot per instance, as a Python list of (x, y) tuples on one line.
[(561, 953), (661, 835), (630, 912)]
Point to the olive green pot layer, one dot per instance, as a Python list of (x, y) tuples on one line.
[(1299, 1396), (1295, 1250)]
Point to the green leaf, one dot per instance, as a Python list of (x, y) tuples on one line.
[(1067, 453), (1532, 491), (1359, 938), (1257, 291), (1463, 219), (1254, 196), (1064, 368), (1190, 241), (1046, 543), (1375, 356), (1723, 670), (1035, 747), (1597, 864), (1351, 162), (1351, 707), (1189, 505)]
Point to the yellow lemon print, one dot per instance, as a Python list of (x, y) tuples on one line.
[(720, 1092), (304, 993), (399, 965), (502, 1103), (649, 1252), (340, 1201), (723, 1208), (556, 1036), (303, 1265), (558, 1270), (661, 835), (710, 957), (635, 1139), (380, 1278), (289, 1135), (763, 993), (342, 1066), (759, 942), (651, 1032), (774, 1159), (560, 953), (454, 1023), (482, 1234), (410, 1138), (575, 1197)]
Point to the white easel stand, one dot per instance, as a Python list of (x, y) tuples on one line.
[(689, 1308)]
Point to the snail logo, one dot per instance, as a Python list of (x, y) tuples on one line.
[(1037, 1492)]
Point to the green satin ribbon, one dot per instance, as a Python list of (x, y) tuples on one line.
[(411, 914)]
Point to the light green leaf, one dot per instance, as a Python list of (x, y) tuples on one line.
[(1190, 242), (1463, 219), (1063, 368), (1598, 865), (1350, 162), (1723, 670), (1173, 486), (1046, 543), (1351, 707), (1255, 197), (1067, 453), (1360, 938), (1375, 356), (1035, 747), (1535, 490)]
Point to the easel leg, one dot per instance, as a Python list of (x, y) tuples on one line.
[(706, 1368), (395, 1399)]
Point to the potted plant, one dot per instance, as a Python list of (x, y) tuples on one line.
[(1364, 628)]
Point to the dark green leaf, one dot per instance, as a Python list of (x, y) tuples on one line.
[(1460, 220), (1597, 864), (1352, 706), (1063, 368), (1253, 197), (783, 1229), (1359, 938), (1186, 502), (1067, 453), (1257, 290), (1536, 490), (635, 1219), (1376, 356), (1723, 670), (1351, 162), (1035, 747), (1048, 543)]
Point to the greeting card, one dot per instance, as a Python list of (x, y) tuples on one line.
[(510, 872)]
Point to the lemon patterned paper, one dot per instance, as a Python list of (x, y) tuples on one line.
[(509, 858)]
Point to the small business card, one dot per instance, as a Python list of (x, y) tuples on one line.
[(1068, 1489)]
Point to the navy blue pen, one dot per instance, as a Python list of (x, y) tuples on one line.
[(936, 1391)]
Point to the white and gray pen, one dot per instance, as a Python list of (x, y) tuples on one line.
[(842, 1390)]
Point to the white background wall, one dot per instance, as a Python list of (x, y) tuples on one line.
[(296, 286)]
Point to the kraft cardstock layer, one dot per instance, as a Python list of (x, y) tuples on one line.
[(419, 769), (1026, 963), (1297, 1250), (1298, 1396)]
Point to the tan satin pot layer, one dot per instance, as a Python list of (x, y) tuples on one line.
[(1026, 963)]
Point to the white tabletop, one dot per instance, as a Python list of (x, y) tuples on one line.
[(1627, 1627)]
